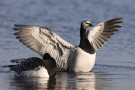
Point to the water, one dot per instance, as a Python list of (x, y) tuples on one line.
[(115, 64)]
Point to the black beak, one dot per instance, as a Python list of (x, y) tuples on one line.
[(90, 24)]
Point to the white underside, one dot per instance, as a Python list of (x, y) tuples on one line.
[(82, 62), (37, 72)]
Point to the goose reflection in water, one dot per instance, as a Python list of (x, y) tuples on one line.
[(33, 83), (63, 81), (76, 81)]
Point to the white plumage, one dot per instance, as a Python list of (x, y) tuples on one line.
[(83, 61), (44, 40), (37, 72)]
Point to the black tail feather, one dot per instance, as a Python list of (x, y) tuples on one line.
[(10, 66)]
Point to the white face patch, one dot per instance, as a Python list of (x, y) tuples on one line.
[(86, 24)]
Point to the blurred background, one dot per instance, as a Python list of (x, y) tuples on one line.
[(64, 18)]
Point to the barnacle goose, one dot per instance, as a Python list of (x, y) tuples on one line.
[(34, 66), (67, 56)]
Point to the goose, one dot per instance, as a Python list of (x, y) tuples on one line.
[(34, 67), (68, 57)]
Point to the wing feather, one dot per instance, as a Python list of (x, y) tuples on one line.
[(44, 40), (103, 31)]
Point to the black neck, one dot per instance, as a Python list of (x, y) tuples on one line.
[(50, 65), (84, 42)]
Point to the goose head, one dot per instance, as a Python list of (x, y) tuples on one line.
[(46, 56), (85, 24)]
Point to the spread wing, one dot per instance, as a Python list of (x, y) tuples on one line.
[(102, 32), (44, 40)]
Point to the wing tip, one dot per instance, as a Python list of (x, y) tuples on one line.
[(117, 20), (18, 25), (22, 25), (16, 29)]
